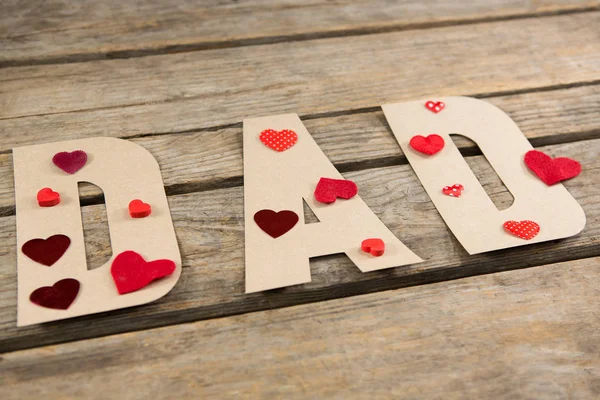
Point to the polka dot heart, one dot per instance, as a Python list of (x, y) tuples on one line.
[(524, 229), (454, 190), (278, 140), (435, 106)]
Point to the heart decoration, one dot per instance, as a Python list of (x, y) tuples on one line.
[(454, 190), (435, 106), (427, 145), (46, 251), (47, 197), (375, 246), (278, 140), (274, 223), (131, 272), (524, 229), (328, 190), (70, 162), (59, 296), (549, 170), (139, 209)]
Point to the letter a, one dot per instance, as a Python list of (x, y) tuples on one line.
[(282, 166)]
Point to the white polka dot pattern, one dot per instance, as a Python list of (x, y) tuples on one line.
[(278, 140), (524, 229)]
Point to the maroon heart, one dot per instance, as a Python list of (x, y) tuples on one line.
[(70, 162), (276, 223), (46, 251), (58, 296)]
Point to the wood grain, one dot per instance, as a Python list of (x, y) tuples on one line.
[(528, 334), (49, 31), (209, 228), (207, 160)]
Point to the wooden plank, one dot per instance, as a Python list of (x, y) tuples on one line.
[(179, 92), (209, 227), (522, 334), (211, 159), (64, 30)]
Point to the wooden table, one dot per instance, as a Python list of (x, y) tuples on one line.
[(179, 76)]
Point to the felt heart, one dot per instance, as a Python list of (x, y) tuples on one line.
[(278, 140), (139, 209), (524, 229), (46, 251), (374, 246), (274, 223), (328, 190), (58, 296), (70, 162), (454, 190), (47, 197), (435, 106), (427, 145), (551, 171), (131, 272)]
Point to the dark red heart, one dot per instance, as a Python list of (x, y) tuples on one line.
[(427, 145), (47, 197), (70, 162), (328, 190), (375, 246), (139, 209), (435, 106), (549, 170), (276, 223), (131, 272), (58, 296), (46, 251)]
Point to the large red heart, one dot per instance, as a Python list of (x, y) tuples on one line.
[(131, 272), (139, 209), (46, 251), (47, 197), (551, 171), (328, 190), (435, 106), (276, 223), (70, 162), (427, 145), (58, 296), (278, 140), (524, 229), (375, 246)]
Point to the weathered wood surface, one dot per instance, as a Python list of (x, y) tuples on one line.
[(213, 159), (209, 227), (528, 334), (55, 31)]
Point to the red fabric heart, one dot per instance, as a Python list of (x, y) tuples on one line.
[(58, 296), (427, 145), (70, 162), (131, 272), (46, 251), (274, 223), (524, 229), (47, 197), (328, 190), (278, 140), (374, 246), (551, 171), (454, 190), (139, 209), (435, 106)]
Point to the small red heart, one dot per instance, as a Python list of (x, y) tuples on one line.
[(551, 171), (139, 209), (278, 140), (131, 272), (274, 223), (328, 190), (47, 197), (435, 106), (374, 246), (454, 190), (46, 251), (524, 229), (427, 145), (70, 162), (58, 296)]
